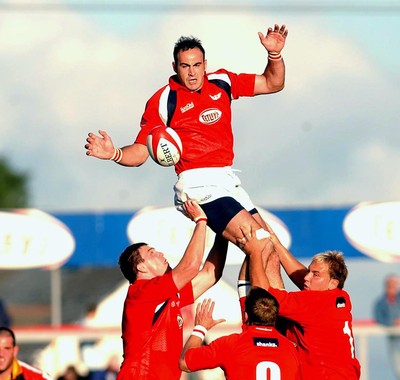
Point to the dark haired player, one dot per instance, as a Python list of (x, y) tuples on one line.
[(152, 322), (197, 105)]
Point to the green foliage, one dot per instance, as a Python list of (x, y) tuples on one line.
[(13, 187)]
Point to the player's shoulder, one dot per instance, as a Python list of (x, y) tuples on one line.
[(220, 74), (339, 293), (33, 373), (228, 341), (141, 286), (219, 71), (286, 343), (159, 92)]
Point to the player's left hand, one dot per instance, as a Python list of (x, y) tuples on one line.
[(204, 311), (275, 39)]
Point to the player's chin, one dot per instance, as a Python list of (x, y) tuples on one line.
[(192, 85)]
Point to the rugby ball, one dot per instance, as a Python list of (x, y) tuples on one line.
[(164, 146)]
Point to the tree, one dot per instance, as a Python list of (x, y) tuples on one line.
[(13, 187)]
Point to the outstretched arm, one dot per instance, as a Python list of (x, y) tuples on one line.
[(189, 265), (101, 146), (273, 77), (203, 321), (257, 258), (273, 271), (271, 265), (213, 267), (294, 268)]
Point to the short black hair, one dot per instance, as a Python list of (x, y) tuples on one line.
[(6, 331), (128, 261), (185, 43)]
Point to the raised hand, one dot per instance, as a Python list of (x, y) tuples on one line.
[(204, 311), (99, 146), (275, 39), (274, 238), (193, 211)]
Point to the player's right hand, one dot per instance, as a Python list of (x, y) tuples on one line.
[(192, 210), (99, 146)]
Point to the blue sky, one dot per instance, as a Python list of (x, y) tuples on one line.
[(331, 137)]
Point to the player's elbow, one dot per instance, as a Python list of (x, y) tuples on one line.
[(212, 274), (182, 365), (277, 87), (218, 277)]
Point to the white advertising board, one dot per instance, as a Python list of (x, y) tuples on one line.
[(169, 231), (30, 238)]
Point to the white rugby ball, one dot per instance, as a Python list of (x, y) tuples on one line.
[(164, 146)]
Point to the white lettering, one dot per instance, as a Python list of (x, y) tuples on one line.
[(270, 344)]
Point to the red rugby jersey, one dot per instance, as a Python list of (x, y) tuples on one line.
[(152, 329), (325, 338), (24, 371), (202, 119), (257, 353)]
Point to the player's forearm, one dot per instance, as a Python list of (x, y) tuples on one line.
[(275, 75), (189, 266), (131, 155), (212, 269), (273, 78), (244, 270), (216, 259), (273, 271), (257, 273), (294, 269), (192, 342)]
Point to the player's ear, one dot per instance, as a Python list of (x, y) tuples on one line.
[(333, 283), (205, 65), (174, 67), (141, 267)]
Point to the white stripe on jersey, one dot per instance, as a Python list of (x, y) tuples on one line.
[(163, 105)]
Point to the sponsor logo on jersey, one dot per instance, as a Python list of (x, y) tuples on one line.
[(266, 342), (210, 116), (215, 97), (340, 302), (187, 107)]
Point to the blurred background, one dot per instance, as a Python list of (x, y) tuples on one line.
[(308, 155)]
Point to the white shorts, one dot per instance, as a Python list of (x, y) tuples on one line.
[(208, 184)]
